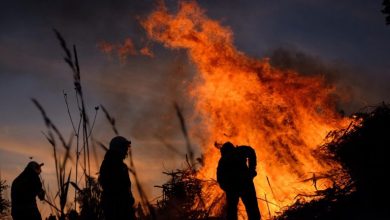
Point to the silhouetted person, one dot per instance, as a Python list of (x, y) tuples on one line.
[(235, 173), (117, 199), (24, 189)]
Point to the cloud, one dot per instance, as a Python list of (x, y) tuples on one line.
[(140, 92)]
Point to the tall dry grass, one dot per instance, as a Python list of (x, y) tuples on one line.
[(4, 203), (76, 152)]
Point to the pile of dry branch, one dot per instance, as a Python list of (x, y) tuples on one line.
[(363, 151)]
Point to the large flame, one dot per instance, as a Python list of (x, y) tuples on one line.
[(283, 115)]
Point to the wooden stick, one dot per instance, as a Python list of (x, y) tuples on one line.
[(269, 212)]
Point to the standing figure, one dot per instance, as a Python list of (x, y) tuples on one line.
[(24, 189), (235, 173), (117, 199)]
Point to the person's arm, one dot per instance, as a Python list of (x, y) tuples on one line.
[(41, 194), (250, 154), (127, 184), (221, 175), (38, 188)]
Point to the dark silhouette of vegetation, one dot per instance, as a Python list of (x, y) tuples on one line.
[(87, 190), (361, 149), (63, 176), (4, 203), (386, 10), (358, 186), (360, 190), (89, 201), (183, 195), (179, 195)]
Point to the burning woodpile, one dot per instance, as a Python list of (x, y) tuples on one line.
[(362, 150), (312, 162), (179, 195), (283, 115), (358, 189)]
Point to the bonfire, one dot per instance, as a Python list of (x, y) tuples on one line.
[(285, 116)]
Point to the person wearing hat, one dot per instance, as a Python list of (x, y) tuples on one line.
[(117, 199), (24, 189), (235, 172)]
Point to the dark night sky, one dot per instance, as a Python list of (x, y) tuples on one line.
[(347, 40)]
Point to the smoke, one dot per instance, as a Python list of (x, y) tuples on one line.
[(355, 88)]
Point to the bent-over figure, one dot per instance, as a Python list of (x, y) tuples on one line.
[(235, 173), (24, 189)]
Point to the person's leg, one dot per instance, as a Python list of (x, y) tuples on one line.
[(249, 199), (132, 214), (126, 213), (109, 210), (36, 214), (28, 213), (231, 203), (16, 216)]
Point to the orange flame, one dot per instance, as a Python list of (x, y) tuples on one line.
[(283, 115)]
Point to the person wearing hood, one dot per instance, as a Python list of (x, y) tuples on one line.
[(117, 199)]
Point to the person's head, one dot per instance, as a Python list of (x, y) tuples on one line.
[(34, 166), (226, 148), (120, 146)]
